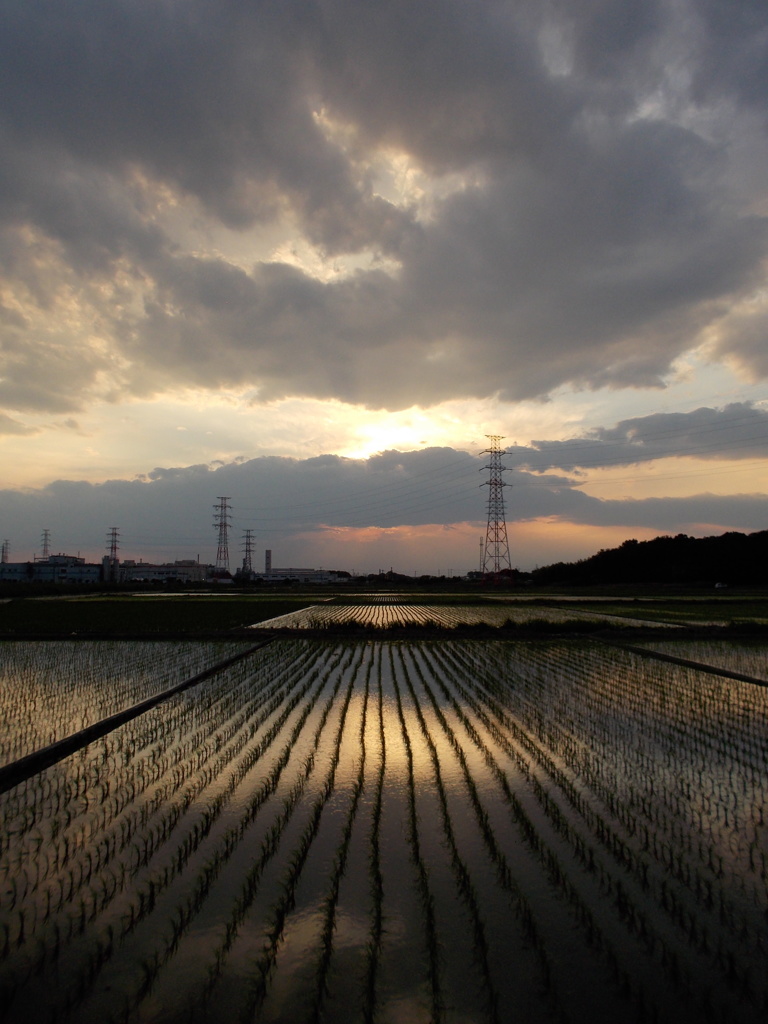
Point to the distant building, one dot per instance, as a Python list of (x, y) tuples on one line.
[(73, 569), (187, 570), (294, 575), (54, 569), (274, 575), (306, 575)]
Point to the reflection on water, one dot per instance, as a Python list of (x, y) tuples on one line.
[(51, 690), (415, 831), (394, 614)]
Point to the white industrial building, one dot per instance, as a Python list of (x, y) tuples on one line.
[(187, 570), (54, 569), (73, 569), (291, 574)]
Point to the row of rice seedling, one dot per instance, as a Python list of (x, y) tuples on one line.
[(393, 614), (431, 831), (224, 879), (375, 616), (127, 772), (51, 690), (167, 761), (330, 902), (667, 779), (92, 962), (373, 951), (464, 882), (744, 657), (543, 864), (286, 900), (523, 615), (424, 888), (712, 611), (250, 945)]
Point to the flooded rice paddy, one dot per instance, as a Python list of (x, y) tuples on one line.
[(387, 614), (448, 830)]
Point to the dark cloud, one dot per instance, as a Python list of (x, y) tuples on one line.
[(212, 98), (609, 37), (733, 58), (288, 502), (448, 82), (738, 431), (588, 207), (697, 514)]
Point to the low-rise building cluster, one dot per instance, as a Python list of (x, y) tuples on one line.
[(73, 569)]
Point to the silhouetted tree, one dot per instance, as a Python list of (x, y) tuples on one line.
[(730, 558)]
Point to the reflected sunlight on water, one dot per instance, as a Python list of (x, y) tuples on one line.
[(420, 831)]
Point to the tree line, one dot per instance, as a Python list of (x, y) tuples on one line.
[(732, 558)]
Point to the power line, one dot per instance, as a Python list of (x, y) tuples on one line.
[(367, 510), (349, 509), (392, 490), (373, 511)]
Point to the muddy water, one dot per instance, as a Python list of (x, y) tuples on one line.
[(438, 831)]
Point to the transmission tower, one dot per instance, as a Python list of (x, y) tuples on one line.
[(248, 551), (6, 552), (113, 542), (496, 557), (46, 541), (221, 521)]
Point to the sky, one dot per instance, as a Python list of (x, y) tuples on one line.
[(310, 256)]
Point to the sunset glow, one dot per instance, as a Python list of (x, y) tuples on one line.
[(278, 261)]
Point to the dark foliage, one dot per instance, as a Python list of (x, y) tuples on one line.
[(733, 558)]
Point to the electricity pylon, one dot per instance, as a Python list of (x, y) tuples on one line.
[(496, 557), (221, 520), (113, 542), (248, 551)]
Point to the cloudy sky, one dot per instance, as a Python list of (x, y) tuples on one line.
[(308, 255)]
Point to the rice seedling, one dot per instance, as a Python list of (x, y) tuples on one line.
[(331, 900), (553, 796), (463, 880), (425, 894)]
